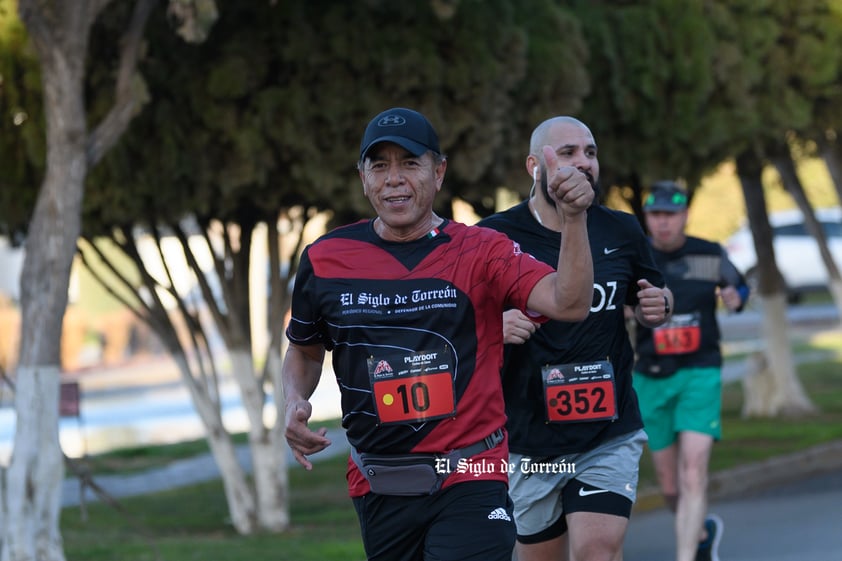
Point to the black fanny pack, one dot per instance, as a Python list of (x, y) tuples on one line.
[(415, 474)]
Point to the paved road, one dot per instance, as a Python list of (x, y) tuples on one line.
[(794, 522)]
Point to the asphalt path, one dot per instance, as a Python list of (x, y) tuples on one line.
[(799, 521)]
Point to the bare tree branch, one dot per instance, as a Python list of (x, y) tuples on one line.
[(156, 318), (195, 329), (275, 297), (213, 306), (121, 278), (221, 265), (126, 98), (221, 317), (280, 297), (129, 247)]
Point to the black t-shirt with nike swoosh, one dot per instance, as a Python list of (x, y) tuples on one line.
[(621, 255)]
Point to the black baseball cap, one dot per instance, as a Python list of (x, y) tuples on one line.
[(665, 196), (405, 127)]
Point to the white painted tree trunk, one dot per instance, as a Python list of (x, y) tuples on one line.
[(773, 388), (34, 476), (242, 368), (270, 480), (270, 461), (238, 493), (268, 454), (262, 506), (758, 386), (33, 491), (59, 33), (268, 450)]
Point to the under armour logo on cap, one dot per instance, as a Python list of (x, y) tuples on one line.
[(391, 121), (405, 127)]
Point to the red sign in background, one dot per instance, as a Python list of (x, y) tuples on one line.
[(68, 405)]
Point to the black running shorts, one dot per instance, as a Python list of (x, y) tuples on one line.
[(469, 521)]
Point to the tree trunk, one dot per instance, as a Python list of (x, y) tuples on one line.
[(280, 490), (770, 281), (59, 31), (782, 394), (268, 451), (782, 160), (270, 481), (240, 498), (831, 153), (772, 387), (268, 455), (33, 480)]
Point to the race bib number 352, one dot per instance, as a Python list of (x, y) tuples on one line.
[(580, 392), (412, 388)]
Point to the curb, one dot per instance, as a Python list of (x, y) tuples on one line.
[(759, 476)]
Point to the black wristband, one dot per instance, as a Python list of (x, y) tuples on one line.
[(667, 309)]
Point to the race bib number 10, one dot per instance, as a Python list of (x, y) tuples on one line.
[(412, 388), (579, 392)]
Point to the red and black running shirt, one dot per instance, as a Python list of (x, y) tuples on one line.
[(366, 299)]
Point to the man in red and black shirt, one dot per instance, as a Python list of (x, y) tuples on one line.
[(410, 305)]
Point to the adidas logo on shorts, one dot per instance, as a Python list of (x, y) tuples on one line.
[(499, 514)]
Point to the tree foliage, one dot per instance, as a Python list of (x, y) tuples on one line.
[(22, 140), (652, 72)]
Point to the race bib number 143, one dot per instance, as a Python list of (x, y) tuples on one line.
[(682, 334)]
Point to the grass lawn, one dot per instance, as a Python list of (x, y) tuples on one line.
[(190, 523)]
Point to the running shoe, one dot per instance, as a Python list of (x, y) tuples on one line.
[(709, 549)]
